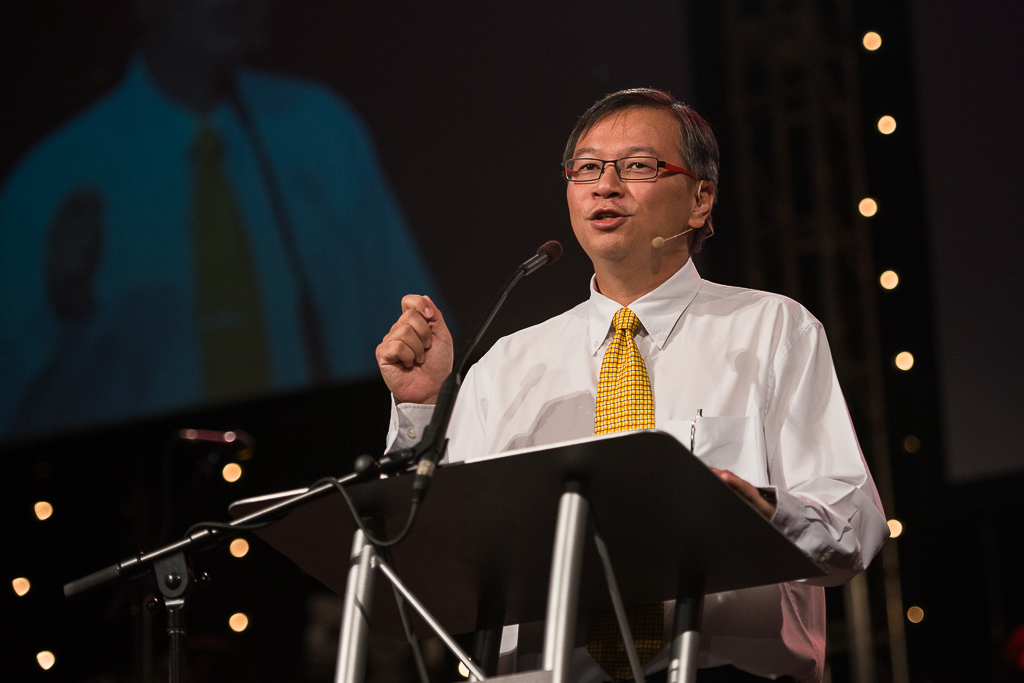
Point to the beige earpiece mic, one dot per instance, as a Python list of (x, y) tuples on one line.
[(659, 242)]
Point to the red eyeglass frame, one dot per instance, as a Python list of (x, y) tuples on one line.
[(604, 163)]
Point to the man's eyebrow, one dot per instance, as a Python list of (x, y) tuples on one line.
[(632, 151)]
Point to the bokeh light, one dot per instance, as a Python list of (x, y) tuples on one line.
[(238, 622), (895, 528), (43, 510), (915, 615), (904, 360), (463, 670), (239, 547), (886, 125), (868, 207), (21, 585), (46, 659), (889, 279), (911, 444), (232, 472), (872, 41)]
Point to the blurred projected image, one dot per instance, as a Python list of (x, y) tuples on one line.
[(201, 234)]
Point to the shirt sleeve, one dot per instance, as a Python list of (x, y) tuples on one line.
[(827, 502), (466, 431), (408, 420)]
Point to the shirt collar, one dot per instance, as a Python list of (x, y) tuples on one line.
[(658, 310), (177, 125)]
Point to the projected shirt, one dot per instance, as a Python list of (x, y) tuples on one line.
[(119, 181)]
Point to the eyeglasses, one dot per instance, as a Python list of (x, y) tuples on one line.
[(628, 168)]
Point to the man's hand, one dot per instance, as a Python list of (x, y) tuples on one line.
[(416, 355), (748, 491)]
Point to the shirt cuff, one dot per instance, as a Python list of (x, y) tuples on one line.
[(408, 420), (789, 514), (791, 519)]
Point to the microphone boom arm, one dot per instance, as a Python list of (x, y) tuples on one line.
[(432, 446)]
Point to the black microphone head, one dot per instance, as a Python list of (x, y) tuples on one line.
[(553, 249)]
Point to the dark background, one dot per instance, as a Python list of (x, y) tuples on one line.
[(442, 82)]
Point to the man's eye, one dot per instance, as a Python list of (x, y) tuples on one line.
[(639, 165), (588, 166)]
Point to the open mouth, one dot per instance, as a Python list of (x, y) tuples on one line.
[(607, 218)]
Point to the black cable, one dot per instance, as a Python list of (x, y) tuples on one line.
[(359, 522)]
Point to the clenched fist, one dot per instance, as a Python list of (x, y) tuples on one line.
[(416, 355)]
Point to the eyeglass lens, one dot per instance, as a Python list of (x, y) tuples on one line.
[(628, 168)]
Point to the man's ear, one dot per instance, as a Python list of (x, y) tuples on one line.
[(703, 202)]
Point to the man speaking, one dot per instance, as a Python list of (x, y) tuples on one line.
[(654, 347)]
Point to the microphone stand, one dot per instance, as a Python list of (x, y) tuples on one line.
[(171, 563), (172, 568)]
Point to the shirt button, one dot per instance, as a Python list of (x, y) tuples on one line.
[(411, 431), (659, 336), (596, 344)]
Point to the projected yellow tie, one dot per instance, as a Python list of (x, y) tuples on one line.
[(235, 360), (624, 401)]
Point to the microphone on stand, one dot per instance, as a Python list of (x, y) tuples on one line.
[(432, 446)]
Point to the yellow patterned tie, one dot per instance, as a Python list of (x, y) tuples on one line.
[(624, 401), (235, 359)]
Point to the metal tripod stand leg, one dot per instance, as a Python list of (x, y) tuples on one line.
[(682, 667), (564, 585), (355, 619)]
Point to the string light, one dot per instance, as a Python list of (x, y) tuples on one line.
[(231, 472), (904, 360), (46, 659), (43, 510), (238, 622)]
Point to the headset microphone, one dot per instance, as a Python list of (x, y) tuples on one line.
[(659, 242)]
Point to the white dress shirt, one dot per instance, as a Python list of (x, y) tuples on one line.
[(758, 367)]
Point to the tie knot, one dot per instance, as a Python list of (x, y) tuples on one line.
[(626, 320), (208, 145)]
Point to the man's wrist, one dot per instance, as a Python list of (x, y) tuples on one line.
[(770, 494)]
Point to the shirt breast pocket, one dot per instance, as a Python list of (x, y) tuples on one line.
[(728, 443)]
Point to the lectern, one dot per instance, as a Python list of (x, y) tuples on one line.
[(502, 529)]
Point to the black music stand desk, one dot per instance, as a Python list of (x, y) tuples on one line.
[(502, 528)]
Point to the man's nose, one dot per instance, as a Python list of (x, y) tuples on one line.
[(609, 183)]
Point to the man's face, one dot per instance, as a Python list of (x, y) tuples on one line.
[(220, 30), (615, 220)]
